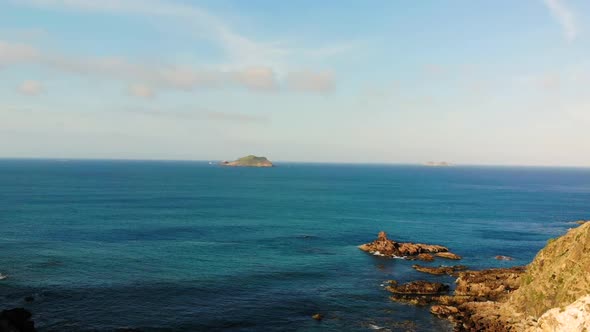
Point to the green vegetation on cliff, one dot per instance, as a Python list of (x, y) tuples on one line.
[(558, 276)]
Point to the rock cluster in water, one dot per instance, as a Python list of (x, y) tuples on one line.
[(389, 248), (440, 270), (550, 294)]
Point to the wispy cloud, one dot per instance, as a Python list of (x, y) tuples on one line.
[(195, 113), (565, 16), (240, 49), (31, 88), (142, 91), (163, 76), (310, 81)]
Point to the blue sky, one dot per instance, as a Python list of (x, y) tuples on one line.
[(469, 82)]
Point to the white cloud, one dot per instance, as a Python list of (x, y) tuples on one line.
[(31, 88), (565, 16), (11, 53), (142, 91), (310, 81), (257, 78)]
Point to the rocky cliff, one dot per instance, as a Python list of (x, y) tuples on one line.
[(550, 294)]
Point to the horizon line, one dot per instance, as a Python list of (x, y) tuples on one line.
[(382, 163)]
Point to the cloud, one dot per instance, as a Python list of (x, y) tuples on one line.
[(309, 81), (22, 33), (565, 17), (31, 88), (163, 76), (192, 113), (250, 64), (240, 49), (142, 91), (257, 78), (234, 117), (11, 53)]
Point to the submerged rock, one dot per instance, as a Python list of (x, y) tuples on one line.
[(16, 320), (389, 248), (416, 292), (448, 255), (417, 287), (425, 257), (440, 270), (317, 316), (504, 258)]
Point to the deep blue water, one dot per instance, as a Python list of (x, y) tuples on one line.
[(166, 246)]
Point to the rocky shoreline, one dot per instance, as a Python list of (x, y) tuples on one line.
[(550, 294)]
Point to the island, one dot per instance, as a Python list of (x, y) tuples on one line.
[(249, 161), (437, 164)]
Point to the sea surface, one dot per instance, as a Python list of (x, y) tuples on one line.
[(189, 246)]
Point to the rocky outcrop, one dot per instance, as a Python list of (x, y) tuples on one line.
[(16, 320), (389, 248), (573, 318), (448, 255), (416, 292), (490, 284), (440, 270), (425, 257), (417, 287)]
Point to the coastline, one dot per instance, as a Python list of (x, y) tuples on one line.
[(552, 293)]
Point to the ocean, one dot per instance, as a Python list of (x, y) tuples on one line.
[(189, 246)]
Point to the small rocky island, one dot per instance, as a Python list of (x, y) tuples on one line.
[(437, 164), (389, 248), (249, 161)]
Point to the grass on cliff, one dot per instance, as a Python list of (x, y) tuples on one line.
[(558, 276), (251, 159)]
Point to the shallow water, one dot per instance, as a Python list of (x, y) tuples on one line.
[(165, 246)]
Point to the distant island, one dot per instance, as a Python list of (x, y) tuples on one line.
[(249, 161), (437, 164)]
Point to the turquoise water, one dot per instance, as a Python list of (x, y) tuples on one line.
[(164, 246)]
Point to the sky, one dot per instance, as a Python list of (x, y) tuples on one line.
[(468, 82)]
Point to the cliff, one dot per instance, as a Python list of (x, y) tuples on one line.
[(552, 293), (249, 161), (556, 284)]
